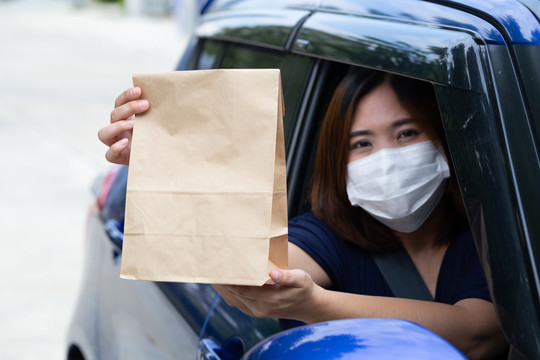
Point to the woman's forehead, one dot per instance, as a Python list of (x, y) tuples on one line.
[(380, 108)]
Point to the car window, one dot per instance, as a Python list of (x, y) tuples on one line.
[(491, 136), (210, 54), (239, 57)]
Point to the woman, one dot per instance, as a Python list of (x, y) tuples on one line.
[(381, 182)]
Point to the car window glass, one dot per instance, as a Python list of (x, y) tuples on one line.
[(239, 57), (325, 77), (209, 56), (294, 73)]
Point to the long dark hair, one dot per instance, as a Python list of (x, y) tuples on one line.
[(329, 199)]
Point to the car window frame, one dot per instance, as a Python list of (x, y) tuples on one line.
[(503, 227)]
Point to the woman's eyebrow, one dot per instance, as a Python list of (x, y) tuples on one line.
[(360, 133), (402, 122), (394, 125)]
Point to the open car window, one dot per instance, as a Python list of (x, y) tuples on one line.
[(491, 134)]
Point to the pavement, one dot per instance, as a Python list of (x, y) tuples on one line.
[(61, 68)]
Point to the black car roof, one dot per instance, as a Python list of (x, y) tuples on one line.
[(501, 22)]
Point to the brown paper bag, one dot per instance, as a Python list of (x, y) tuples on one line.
[(206, 195)]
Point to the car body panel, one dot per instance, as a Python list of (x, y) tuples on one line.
[(375, 339), (271, 28), (219, 322), (158, 325), (83, 327), (518, 22), (404, 47)]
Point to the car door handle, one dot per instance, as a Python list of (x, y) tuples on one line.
[(232, 349), (208, 350), (114, 230)]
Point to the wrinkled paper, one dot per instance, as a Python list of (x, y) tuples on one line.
[(206, 195)]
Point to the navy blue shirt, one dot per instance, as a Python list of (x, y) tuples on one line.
[(351, 269)]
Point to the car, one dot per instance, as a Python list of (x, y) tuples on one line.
[(482, 59)]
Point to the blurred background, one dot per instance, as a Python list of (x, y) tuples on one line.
[(62, 64)]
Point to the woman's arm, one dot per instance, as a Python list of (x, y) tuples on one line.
[(471, 324), (299, 259)]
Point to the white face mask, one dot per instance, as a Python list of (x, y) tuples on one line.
[(400, 187)]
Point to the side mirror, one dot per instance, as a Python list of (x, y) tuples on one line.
[(356, 339)]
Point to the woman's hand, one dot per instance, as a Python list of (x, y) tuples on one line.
[(117, 135), (292, 296)]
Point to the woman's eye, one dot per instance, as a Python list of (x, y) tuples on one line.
[(407, 133), (360, 144)]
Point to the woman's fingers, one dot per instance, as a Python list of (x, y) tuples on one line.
[(111, 133), (231, 299), (117, 135), (129, 109), (290, 278), (129, 95), (118, 153), (291, 291), (128, 104)]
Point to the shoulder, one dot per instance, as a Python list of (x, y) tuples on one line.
[(349, 267), (314, 237), (309, 224)]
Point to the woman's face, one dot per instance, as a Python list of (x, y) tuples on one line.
[(380, 122)]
